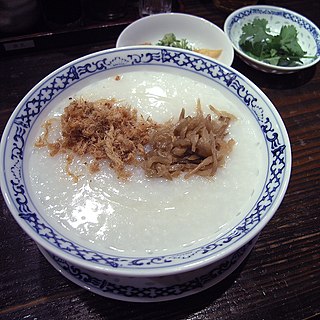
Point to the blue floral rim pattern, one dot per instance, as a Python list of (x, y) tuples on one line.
[(276, 140), (100, 284)]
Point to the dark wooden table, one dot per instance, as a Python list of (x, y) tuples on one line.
[(281, 277)]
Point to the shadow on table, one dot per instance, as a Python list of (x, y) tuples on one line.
[(274, 81), (175, 309)]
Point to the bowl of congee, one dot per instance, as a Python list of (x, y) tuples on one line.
[(145, 173)]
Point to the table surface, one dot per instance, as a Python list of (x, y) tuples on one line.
[(281, 277)]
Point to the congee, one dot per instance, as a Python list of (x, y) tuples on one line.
[(142, 214)]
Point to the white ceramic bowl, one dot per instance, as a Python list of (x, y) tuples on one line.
[(199, 32), (147, 276), (308, 34)]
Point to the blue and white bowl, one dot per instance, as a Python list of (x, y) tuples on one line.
[(308, 34), (150, 276)]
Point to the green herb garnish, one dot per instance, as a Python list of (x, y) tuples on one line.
[(280, 50), (170, 40)]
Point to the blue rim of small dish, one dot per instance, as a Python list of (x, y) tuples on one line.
[(25, 116)]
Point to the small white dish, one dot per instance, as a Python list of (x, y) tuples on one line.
[(308, 34), (176, 271), (200, 33)]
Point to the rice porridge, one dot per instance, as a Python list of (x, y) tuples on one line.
[(150, 215)]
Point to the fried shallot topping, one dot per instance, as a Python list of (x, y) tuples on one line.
[(107, 131), (195, 145)]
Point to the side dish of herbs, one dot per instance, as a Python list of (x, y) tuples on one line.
[(282, 49)]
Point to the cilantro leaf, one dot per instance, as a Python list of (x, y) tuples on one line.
[(289, 41), (255, 38), (255, 31), (170, 40), (282, 49)]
